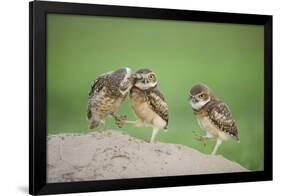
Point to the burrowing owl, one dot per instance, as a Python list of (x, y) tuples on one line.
[(107, 93), (148, 102), (213, 115)]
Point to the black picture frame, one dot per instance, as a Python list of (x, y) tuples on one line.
[(38, 11)]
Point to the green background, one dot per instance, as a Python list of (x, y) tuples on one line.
[(226, 57)]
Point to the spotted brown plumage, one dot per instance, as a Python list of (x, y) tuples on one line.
[(157, 102), (107, 93), (222, 118), (213, 115)]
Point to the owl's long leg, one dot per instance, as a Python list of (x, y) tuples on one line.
[(129, 122), (136, 123), (218, 143), (121, 120), (154, 134)]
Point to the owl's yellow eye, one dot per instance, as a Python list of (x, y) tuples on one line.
[(202, 96), (151, 77)]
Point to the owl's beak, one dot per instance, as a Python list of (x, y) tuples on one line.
[(192, 99), (136, 76)]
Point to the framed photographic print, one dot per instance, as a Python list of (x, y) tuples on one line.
[(130, 97)]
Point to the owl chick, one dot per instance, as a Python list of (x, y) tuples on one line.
[(213, 115), (107, 93), (148, 102)]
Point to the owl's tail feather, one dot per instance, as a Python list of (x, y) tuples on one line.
[(89, 114), (94, 124), (237, 139), (165, 128)]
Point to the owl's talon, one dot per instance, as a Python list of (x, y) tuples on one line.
[(201, 139), (120, 120)]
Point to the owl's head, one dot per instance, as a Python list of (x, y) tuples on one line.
[(124, 78), (199, 96), (145, 79)]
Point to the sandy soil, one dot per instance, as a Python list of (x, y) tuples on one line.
[(116, 155)]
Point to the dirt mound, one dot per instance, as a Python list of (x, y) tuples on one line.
[(116, 155)]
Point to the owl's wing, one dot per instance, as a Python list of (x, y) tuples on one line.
[(96, 86), (221, 117), (158, 104)]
